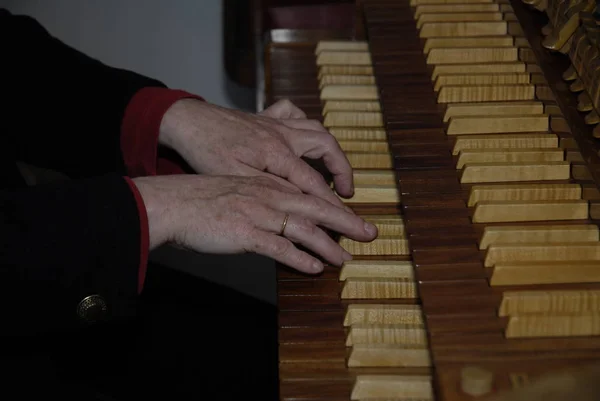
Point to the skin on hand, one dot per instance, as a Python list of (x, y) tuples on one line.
[(215, 140), (233, 214)]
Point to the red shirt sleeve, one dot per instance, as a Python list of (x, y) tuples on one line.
[(140, 129), (139, 146)]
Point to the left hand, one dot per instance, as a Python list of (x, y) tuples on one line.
[(217, 140)]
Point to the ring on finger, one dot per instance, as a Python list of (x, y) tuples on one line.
[(284, 224)]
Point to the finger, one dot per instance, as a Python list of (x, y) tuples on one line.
[(283, 109), (316, 144), (283, 251), (304, 232), (311, 125), (326, 215)]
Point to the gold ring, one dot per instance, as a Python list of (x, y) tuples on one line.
[(287, 216)]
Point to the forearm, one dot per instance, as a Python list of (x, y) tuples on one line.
[(64, 243)]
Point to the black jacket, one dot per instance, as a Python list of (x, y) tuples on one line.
[(64, 241)]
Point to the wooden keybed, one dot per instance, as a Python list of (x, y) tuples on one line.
[(455, 305)]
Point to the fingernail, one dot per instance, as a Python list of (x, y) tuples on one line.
[(346, 256), (317, 267), (370, 228)]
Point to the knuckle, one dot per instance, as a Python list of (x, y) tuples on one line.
[(279, 247), (307, 227), (316, 125)]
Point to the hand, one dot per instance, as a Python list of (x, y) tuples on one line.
[(219, 141), (221, 214)]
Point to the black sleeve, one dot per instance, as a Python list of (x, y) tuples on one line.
[(63, 243), (69, 106)]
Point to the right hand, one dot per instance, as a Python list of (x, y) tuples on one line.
[(232, 214)]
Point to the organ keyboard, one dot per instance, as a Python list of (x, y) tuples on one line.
[(470, 125)]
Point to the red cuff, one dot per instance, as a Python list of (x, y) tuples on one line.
[(141, 125), (144, 234)]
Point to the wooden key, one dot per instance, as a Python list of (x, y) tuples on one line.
[(462, 29), (517, 303), (487, 93), (545, 233), (355, 119), (540, 273), (456, 16), (466, 42), (371, 177), (473, 55), (524, 192), (370, 160), (384, 355), (509, 156), (341, 45), (432, 2), (506, 141), (506, 172), (515, 211), (359, 134), (350, 92), (376, 268), (346, 80), (396, 334), (496, 68), (497, 124), (364, 146), (482, 79), (393, 387), (342, 105), (374, 194), (553, 326), (379, 246), (384, 314), (379, 288), (345, 70), (569, 21), (455, 8), (532, 107), (344, 58), (500, 254)]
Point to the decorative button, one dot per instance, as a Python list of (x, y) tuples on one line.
[(92, 309)]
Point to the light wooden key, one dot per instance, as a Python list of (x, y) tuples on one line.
[(506, 141), (350, 92), (386, 334), (553, 326), (525, 192), (545, 272), (376, 268), (385, 355), (506, 172), (486, 93), (353, 119), (515, 211), (432, 2), (383, 194), (481, 79), (384, 314), (455, 8), (473, 55), (345, 70), (370, 160), (360, 58), (379, 288), (373, 177), (497, 124), (346, 80), (343, 105), (458, 29), (532, 107), (543, 233), (390, 387), (359, 134), (538, 252), (456, 16), (516, 303), (379, 246), (494, 68), (364, 146), (509, 156), (342, 45), (466, 42)]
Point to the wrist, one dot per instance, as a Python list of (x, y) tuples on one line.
[(160, 224), (173, 127)]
